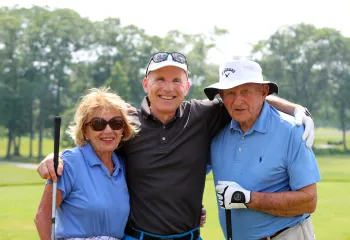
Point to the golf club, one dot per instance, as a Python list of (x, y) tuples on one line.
[(228, 224), (55, 161)]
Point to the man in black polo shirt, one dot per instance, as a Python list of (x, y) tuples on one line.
[(166, 161)]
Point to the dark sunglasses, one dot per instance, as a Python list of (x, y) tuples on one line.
[(100, 124), (163, 56)]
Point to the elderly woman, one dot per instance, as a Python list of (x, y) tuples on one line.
[(92, 195)]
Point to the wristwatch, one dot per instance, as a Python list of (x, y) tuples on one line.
[(238, 197), (307, 112)]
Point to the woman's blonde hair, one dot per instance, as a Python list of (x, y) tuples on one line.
[(94, 99)]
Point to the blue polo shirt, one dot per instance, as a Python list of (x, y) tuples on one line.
[(95, 203), (269, 157)]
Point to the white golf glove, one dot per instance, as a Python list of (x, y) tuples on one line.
[(231, 195), (303, 116)]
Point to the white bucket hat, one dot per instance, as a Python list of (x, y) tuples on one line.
[(236, 73)]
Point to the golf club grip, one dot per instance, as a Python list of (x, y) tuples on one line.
[(228, 224), (56, 142)]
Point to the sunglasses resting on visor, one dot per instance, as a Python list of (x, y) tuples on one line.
[(163, 56), (100, 124)]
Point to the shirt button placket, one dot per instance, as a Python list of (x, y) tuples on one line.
[(240, 148), (163, 135)]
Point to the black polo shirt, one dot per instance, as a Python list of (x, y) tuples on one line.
[(166, 166)]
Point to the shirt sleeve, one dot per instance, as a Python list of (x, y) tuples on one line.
[(215, 115), (65, 182), (302, 165)]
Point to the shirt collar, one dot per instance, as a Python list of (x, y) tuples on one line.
[(91, 157), (146, 110), (260, 124)]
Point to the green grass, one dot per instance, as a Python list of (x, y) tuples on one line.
[(18, 205), (323, 135), (20, 191), (331, 219), (19, 201), (11, 176), (334, 168), (24, 149)]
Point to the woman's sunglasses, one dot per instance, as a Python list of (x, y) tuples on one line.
[(100, 124)]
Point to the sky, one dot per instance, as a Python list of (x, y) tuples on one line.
[(247, 21)]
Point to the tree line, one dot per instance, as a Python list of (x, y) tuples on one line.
[(48, 57)]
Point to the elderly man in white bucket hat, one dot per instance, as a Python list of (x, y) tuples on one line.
[(235, 73), (262, 170)]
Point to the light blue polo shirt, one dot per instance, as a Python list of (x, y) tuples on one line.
[(94, 202), (270, 157)]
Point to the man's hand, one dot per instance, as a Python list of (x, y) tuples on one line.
[(231, 195), (46, 168), (203, 216), (129, 108), (302, 118)]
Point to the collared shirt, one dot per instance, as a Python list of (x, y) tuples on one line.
[(166, 166), (95, 203), (270, 157)]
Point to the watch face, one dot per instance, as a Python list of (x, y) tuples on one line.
[(237, 196), (307, 112)]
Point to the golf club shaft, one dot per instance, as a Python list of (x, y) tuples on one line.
[(53, 219), (228, 224), (55, 161)]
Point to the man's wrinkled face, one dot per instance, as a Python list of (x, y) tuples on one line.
[(166, 89), (245, 102)]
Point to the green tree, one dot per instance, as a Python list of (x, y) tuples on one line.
[(119, 81), (49, 57), (202, 73), (293, 58), (311, 67), (338, 69), (10, 32), (53, 38)]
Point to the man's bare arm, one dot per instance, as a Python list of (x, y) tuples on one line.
[(285, 204), (282, 104)]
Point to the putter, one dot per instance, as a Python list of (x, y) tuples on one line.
[(228, 224), (56, 143)]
